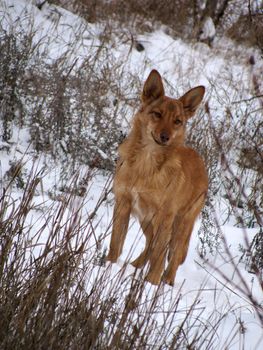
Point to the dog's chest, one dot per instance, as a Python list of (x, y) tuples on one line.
[(148, 191), (148, 180), (144, 204)]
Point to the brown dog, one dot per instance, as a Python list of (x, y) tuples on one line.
[(160, 180)]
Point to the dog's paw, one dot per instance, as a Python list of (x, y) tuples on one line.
[(111, 258), (168, 279), (153, 278), (138, 264)]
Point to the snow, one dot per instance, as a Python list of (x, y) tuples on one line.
[(209, 30), (218, 285)]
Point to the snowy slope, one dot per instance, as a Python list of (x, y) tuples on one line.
[(221, 284)]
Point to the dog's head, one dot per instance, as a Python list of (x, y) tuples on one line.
[(164, 118)]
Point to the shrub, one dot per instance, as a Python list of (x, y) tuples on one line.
[(15, 54), (75, 112)]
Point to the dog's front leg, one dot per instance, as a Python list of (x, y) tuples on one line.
[(160, 244), (121, 215)]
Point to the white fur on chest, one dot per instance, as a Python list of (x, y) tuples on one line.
[(141, 207)]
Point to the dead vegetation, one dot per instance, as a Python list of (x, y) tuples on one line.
[(57, 293), (44, 299), (183, 18)]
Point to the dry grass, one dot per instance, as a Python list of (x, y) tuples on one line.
[(56, 291)]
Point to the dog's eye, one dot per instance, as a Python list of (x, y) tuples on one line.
[(177, 121), (157, 115)]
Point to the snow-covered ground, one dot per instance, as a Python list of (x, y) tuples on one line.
[(221, 284)]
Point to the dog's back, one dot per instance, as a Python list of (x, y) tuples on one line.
[(160, 180)]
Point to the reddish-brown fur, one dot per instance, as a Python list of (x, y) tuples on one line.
[(160, 180)]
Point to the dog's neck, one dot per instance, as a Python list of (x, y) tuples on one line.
[(145, 156)]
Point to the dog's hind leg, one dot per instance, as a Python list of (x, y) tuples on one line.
[(162, 228), (144, 256)]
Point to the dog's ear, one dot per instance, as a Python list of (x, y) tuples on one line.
[(153, 87), (192, 99)]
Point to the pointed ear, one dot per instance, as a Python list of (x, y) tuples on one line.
[(192, 99), (153, 87)]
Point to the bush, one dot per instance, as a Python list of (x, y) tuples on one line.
[(15, 54), (75, 112)]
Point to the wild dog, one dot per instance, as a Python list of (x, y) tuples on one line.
[(159, 180)]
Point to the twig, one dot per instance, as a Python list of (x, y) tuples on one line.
[(248, 99)]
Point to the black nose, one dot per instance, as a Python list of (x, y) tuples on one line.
[(164, 137)]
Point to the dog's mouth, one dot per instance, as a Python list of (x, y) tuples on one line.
[(158, 142)]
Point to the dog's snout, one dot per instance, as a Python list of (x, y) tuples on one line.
[(164, 137)]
